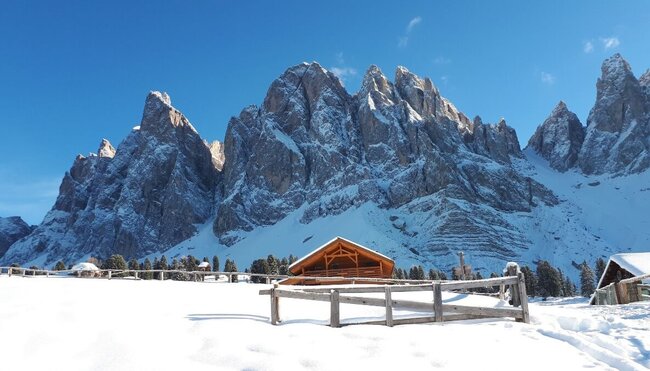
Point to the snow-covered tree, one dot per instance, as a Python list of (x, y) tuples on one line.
[(587, 286)]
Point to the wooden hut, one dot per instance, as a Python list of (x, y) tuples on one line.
[(626, 279), (340, 258)]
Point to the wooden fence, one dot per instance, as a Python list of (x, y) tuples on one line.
[(133, 273), (623, 292), (441, 312)]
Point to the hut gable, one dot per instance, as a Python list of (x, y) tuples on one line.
[(342, 258), (626, 265), (626, 279)]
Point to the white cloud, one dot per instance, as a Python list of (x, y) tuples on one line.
[(339, 58), (343, 72), (442, 60), (414, 22), (404, 40), (588, 47), (547, 78), (610, 42)]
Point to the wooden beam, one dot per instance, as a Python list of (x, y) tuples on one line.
[(437, 301), (389, 307), (514, 290), (335, 315), (523, 296)]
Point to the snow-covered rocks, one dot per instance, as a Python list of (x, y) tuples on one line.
[(559, 138), (313, 147), (143, 197), (85, 270), (12, 229), (618, 127)]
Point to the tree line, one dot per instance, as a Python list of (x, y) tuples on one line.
[(544, 281)]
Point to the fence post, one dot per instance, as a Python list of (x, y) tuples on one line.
[(275, 306), (162, 275), (110, 274), (335, 315), (523, 297), (514, 290), (9, 271), (437, 301), (389, 306)]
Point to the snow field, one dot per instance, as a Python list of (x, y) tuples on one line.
[(91, 324)]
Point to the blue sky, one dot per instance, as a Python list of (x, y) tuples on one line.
[(74, 72)]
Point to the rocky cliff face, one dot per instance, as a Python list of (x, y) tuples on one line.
[(559, 138), (443, 183), (12, 229), (143, 197), (617, 138), (314, 147)]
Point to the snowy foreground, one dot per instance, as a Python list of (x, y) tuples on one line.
[(89, 324)]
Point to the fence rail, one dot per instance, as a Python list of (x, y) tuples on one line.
[(135, 273), (442, 312)]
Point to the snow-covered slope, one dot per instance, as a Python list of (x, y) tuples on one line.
[(12, 229), (72, 324)]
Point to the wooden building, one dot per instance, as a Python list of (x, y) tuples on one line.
[(626, 279), (340, 258)]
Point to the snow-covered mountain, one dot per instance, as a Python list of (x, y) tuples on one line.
[(12, 229), (395, 166)]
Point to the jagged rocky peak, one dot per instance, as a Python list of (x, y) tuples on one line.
[(106, 150), (159, 117), (308, 80), (496, 141), (218, 156), (644, 81), (617, 127), (144, 197), (12, 229), (559, 138), (374, 81)]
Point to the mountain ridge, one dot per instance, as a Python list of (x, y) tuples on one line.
[(436, 181)]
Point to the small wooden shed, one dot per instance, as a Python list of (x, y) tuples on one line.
[(340, 258), (626, 279)]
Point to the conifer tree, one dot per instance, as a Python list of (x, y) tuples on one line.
[(284, 267), (60, 266), (156, 266), (191, 264), (259, 266), (163, 263), (600, 269), (273, 264), (549, 281), (147, 267), (531, 280), (215, 263), (433, 275), (133, 266), (116, 262), (587, 286)]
